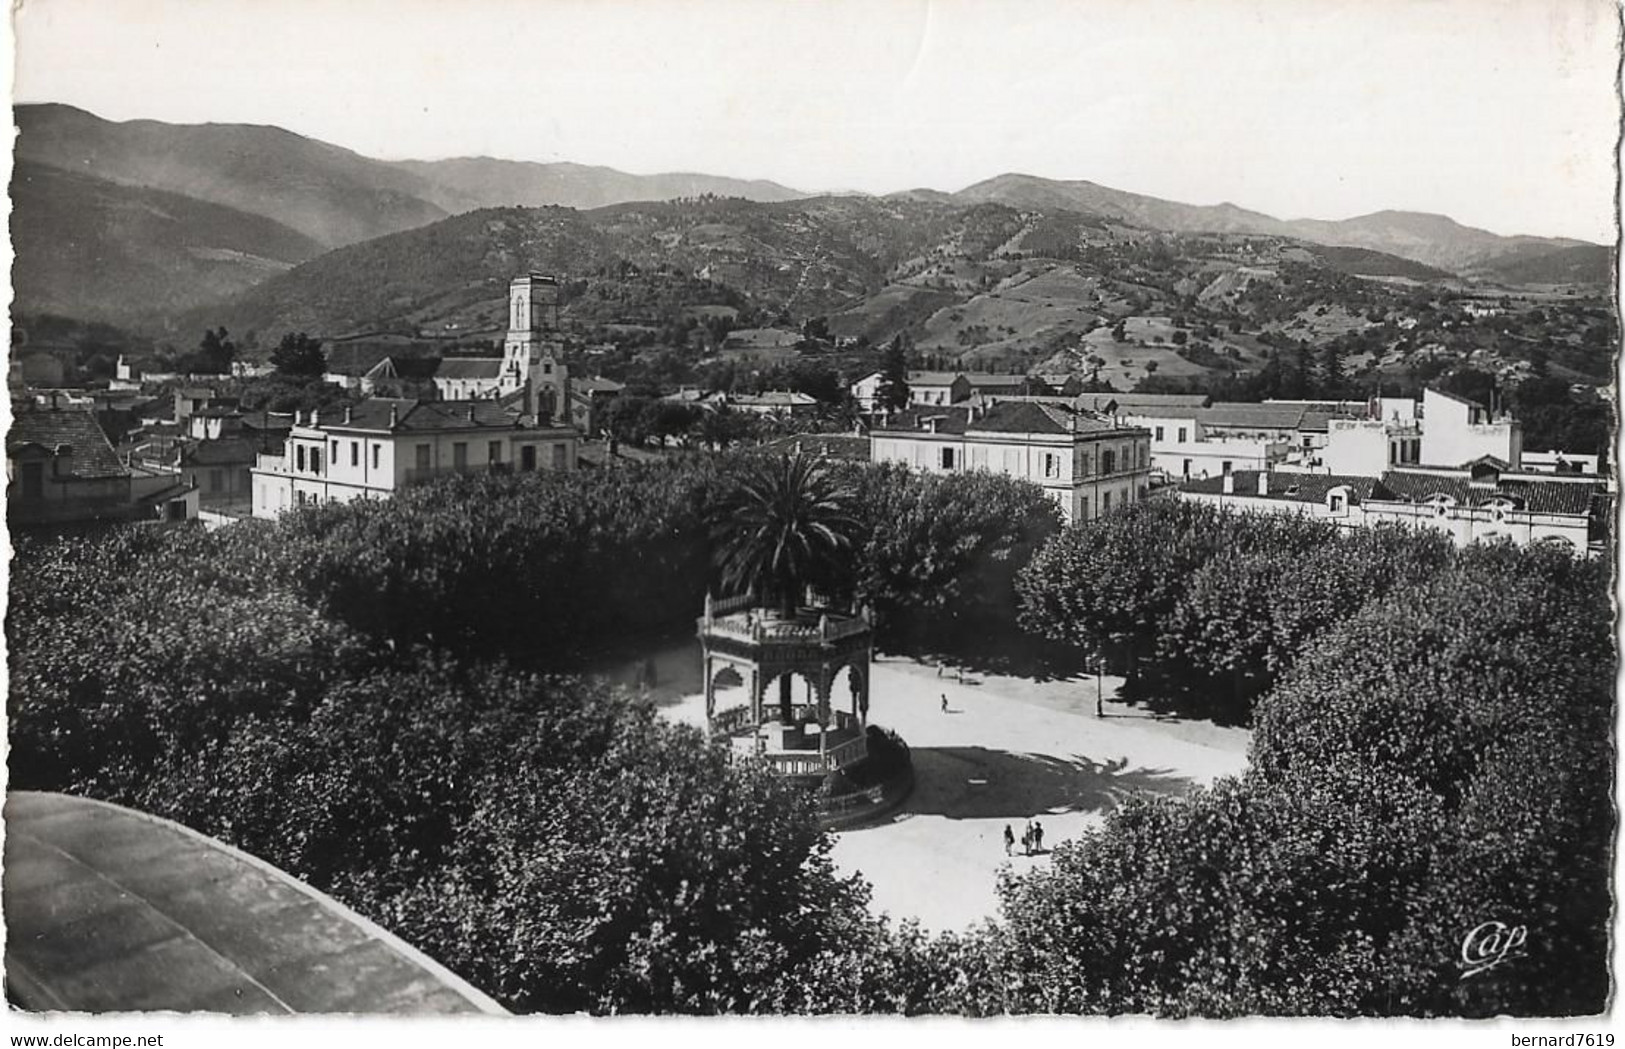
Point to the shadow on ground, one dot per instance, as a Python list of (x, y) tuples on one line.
[(978, 783)]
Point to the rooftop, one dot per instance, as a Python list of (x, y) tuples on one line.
[(52, 428), (408, 415), (1254, 416), (110, 909)]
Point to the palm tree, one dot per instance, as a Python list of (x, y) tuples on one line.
[(784, 525)]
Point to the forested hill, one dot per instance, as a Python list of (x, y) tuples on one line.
[(874, 264)]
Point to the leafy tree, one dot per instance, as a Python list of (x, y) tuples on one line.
[(893, 392), (299, 355)]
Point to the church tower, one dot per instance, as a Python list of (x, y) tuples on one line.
[(532, 357)]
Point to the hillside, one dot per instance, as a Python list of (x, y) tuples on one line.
[(469, 183), (1028, 191), (808, 257), (88, 248), (1582, 264), (1430, 239), (1433, 240), (329, 194)]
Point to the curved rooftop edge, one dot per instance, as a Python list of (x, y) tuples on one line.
[(108, 909)]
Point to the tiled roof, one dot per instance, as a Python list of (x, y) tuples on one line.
[(1540, 496), (1293, 487), (1029, 417), (49, 428), (469, 368), (775, 399), (1254, 416), (983, 382), (1162, 411), (413, 416), (932, 378), (1158, 400)]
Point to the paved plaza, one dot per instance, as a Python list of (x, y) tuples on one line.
[(1008, 750)]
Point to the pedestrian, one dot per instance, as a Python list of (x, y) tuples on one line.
[(1009, 839), (945, 702), (1038, 836), (1027, 839), (939, 669), (959, 675)]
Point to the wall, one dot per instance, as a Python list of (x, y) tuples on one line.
[(1451, 437)]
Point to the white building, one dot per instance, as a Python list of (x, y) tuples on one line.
[(373, 449), (866, 389), (1088, 464), (1457, 431), (1478, 501)]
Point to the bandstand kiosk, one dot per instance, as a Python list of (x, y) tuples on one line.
[(761, 645)]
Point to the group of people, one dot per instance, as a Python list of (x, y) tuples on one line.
[(1032, 839)]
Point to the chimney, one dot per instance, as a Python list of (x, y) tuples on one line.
[(1263, 482), (315, 417), (298, 417), (470, 411), (349, 413), (394, 416)]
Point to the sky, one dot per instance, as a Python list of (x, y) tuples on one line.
[(1500, 113)]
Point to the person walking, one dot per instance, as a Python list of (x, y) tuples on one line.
[(1027, 839), (945, 702), (1009, 839), (1038, 836)]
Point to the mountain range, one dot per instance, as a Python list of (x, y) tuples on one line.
[(143, 223)]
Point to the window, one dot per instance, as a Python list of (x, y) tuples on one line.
[(355, 453), (559, 454), (1083, 508), (493, 451), (377, 450), (335, 457), (1187, 469), (1145, 450), (1335, 503), (1052, 465), (947, 458), (1157, 435), (459, 455), (1105, 502), (423, 457), (315, 460), (33, 480), (1108, 461), (1083, 464), (1225, 466), (547, 367), (527, 457), (299, 457), (299, 498), (1183, 434)]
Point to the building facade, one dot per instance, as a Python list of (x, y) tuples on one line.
[(1088, 464), (375, 448)]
